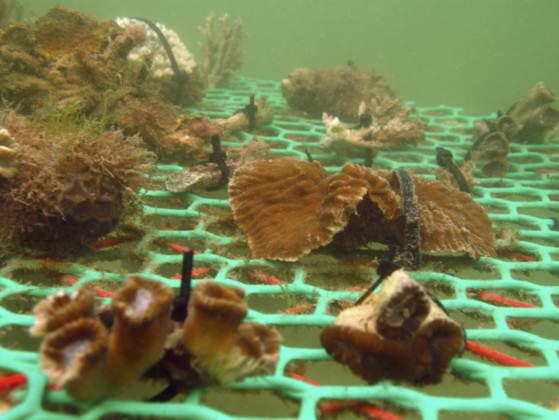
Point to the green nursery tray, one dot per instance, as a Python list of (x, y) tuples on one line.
[(507, 304)]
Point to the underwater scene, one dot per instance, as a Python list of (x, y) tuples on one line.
[(297, 209)]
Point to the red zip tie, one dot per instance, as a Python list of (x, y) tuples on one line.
[(102, 293), (502, 300), (301, 308), (263, 277), (8, 383), (495, 355), (106, 243), (304, 379), (521, 257), (196, 272), (336, 406), (179, 248), (369, 411)]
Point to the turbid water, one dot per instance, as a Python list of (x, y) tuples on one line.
[(480, 55)]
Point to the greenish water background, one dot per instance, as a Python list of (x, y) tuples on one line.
[(478, 54)]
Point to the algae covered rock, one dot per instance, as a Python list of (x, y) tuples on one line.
[(69, 188)]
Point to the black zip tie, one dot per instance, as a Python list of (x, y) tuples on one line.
[(446, 161), (181, 77), (179, 310), (411, 251), (250, 111), (384, 270), (218, 156), (309, 156)]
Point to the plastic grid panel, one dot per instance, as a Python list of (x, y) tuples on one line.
[(526, 198)]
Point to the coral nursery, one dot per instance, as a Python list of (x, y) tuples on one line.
[(179, 240)]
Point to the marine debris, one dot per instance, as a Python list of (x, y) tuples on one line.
[(92, 351), (69, 188), (335, 91), (388, 126), (287, 207), (399, 333), (221, 46), (207, 175), (536, 116)]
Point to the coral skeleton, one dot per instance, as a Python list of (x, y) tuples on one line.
[(221, 46), (288, 207), (398, 333), (151, 51)]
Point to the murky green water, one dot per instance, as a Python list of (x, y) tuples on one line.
[(480, 55)]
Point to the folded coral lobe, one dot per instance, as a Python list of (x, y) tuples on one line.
[(450, 221), (287, 207)]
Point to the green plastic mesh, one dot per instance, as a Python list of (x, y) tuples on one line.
[(524, 201)]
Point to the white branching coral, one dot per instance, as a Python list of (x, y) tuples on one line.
[(221, 44), (151, 50)]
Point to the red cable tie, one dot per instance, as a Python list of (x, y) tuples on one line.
[(106, 243), (196, 272), (181, 249), (336, 406), (8, 383), (521, 257), (102, 293), (262, 277), (502, 300), (69, 279), (495, 355), (299, 309)]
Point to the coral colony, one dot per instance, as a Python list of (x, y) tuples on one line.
[(89, 107)]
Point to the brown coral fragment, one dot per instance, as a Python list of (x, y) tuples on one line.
[(221, 348), (399, 333), (536, 115), (74, 357), (287, 207), (142, 313), (335, 91), (57, 310)]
